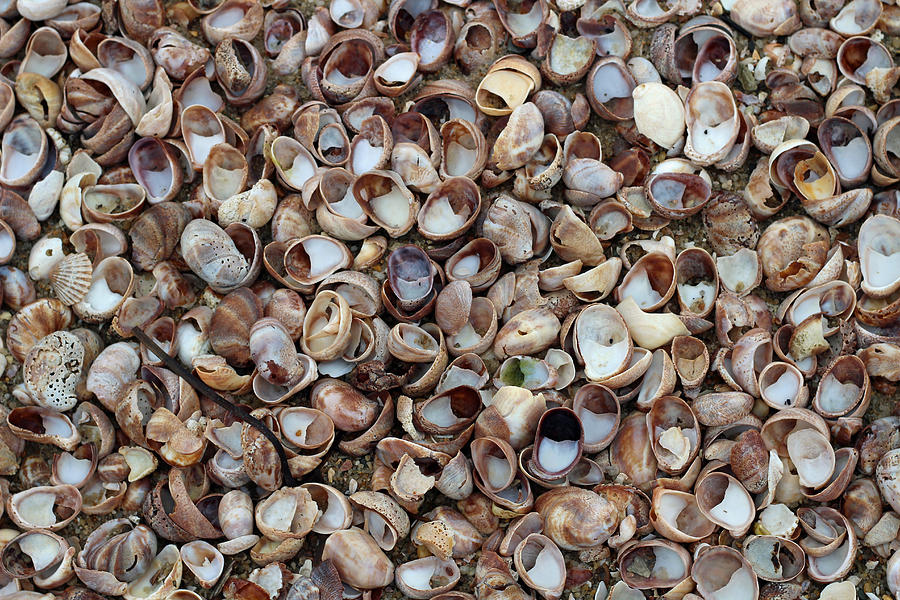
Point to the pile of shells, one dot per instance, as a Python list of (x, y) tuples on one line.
[(450, 299)]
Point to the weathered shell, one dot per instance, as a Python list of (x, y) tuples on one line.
[(575, 518), (358, 559)]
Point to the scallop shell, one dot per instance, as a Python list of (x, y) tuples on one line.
[(71, 278)]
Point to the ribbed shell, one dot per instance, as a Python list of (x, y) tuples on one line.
[(71, 278)]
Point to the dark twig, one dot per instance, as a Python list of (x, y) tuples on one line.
[(239, 413), (737, 27)]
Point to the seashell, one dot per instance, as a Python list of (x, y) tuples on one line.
[(520, 139), (575, 518), (18, 290), (383, 517), (347, 407), (156, 232), (239, 69), (740, 272), (800, 252), (884, 477), (41, 555), (334, 509), (371, 148), (364, 46), (112, 281), (138, 461), (771, 134), (527, 372), (690, 359), (697, 282), (140, 18), (650, 282), (44, 507), (414, 578), (528, 332), (386, 201), (25, 151), (812, 455), (450, 209), (659, 113), (607, 31), (859, 55), (709, 107), (43, 425), (40, 96), (109, 203), (74, 468), (226, 259), (558, 443), (725, 502), (507, 85), (598, 409), (201, 130), (33, 322), (349, 549), (432, 38), (413, 165), (204, 561), (766, 17), (7, 242), (225, 174), (609, 89), (456, 482), (837, 137), (650, 330), (464, 150), (723, 568), (675, 515), (674, 433), (241, 19), (52, 370), (161, 578), (541, 564), (508, 225), (411, 343), (875, 244), (453, 306), (519, 529), (677, 195), (236, 514), (781, 386), (313, 258), (830, 566), (714, 52), (287, 513), (513, 413), (596, 283), (492, 574), (46, 253), (845, 460), (843, 389), (862, 505), (326, 326), (568, 58), (177, 55), (478, 42), (448, 412), (45, 53), (107, 573), (572, 239), (660, 552)]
